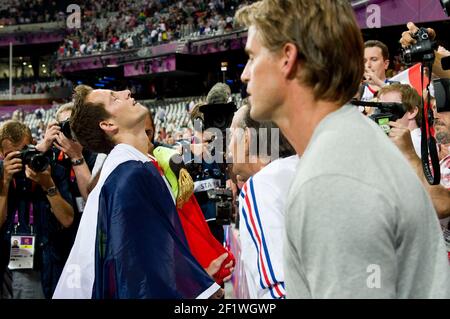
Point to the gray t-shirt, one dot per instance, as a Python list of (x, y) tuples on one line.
[(359, 223)]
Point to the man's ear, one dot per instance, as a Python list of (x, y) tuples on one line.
[(109, 127), (289, 60), (412, 115), (386, 64)]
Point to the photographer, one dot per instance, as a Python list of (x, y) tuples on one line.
[(70, 154), (412, 119), (440, 194), (407, 39), (207, 173), (36, 204)]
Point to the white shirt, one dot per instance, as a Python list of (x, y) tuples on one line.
[(262, 209), (416, 136)]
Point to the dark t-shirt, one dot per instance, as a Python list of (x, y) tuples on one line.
[(66, 163)]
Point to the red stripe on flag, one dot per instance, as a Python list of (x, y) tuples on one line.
[(415, 78)]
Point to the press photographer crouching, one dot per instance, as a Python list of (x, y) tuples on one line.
[(34, 212)]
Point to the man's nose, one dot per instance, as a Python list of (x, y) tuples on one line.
[(245, 75), (126, 93), (435, 113)]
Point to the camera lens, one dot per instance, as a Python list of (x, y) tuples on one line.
[(39, 163), (65, 129)]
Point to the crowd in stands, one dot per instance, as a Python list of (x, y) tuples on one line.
[(118, 25), (38, 87), (13, 12), (172, 118)]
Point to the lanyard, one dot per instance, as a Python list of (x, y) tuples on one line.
[(30, 219), (31, 213), (72, 172)]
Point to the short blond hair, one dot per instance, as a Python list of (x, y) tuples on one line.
[(64, 108), (326, 34)]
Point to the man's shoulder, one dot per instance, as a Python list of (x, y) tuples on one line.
[(351, 145), (130, 177), (278, 172), (133, 169)]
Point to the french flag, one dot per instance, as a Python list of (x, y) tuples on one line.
[(412, 77)]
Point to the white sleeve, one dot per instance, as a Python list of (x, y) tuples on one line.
[(264, 219)]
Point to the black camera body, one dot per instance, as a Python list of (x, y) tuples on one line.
[(36, 160), (422, 51), (65, 128), (224, 205), (442, 94), (387, 112), (383, 119), (218, 116)]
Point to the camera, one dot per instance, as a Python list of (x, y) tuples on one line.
[(386, 112), (37, 161), (422, 51), (442, 94), (224, 205), (218, 115), (65, 128)]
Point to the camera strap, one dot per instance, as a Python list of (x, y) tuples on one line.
[(72, 172), (428, 141)]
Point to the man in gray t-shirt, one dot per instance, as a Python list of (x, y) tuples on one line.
[(359, 223)]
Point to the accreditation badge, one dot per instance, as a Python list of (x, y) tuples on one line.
[(22, 252)]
